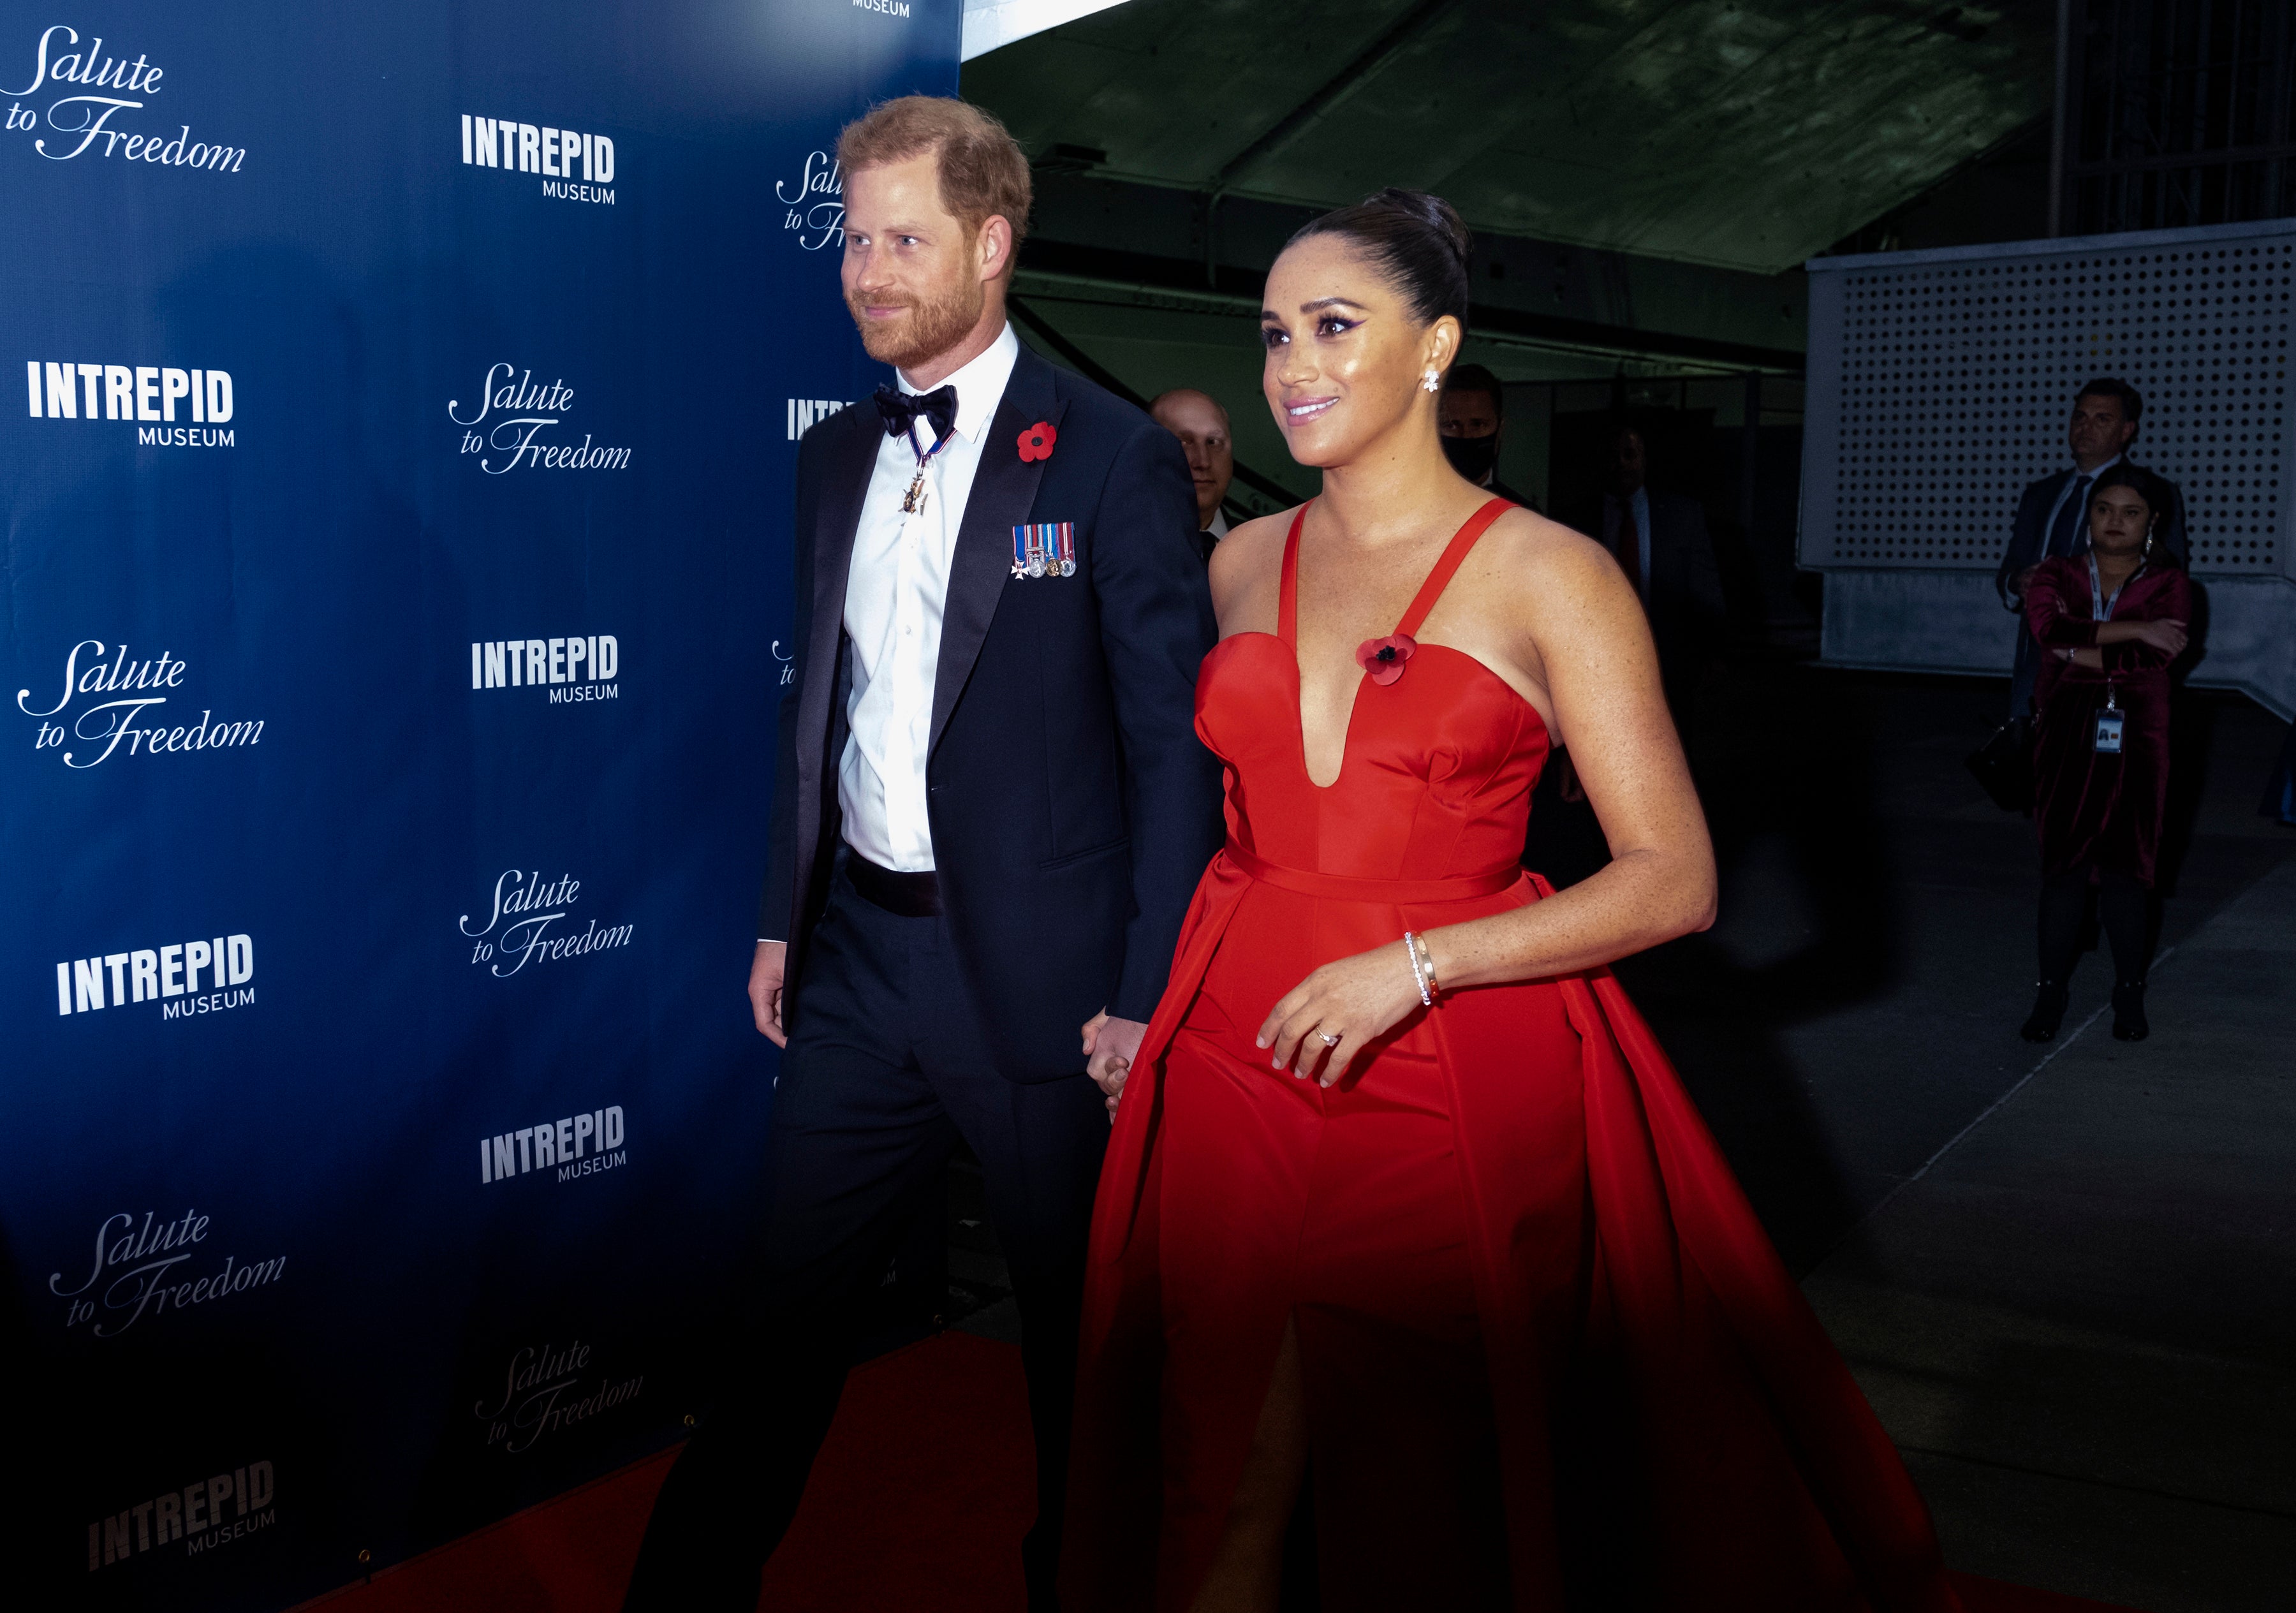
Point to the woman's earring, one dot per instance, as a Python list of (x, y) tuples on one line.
[(1431, 382)]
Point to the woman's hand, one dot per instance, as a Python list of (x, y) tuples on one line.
[(1356, 999)]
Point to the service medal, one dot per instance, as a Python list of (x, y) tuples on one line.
[(1036, 564)]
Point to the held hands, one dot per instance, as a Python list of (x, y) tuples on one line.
[(1356, 999), (1110, 1046), (766, 990)]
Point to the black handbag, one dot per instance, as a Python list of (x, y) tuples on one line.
[(2004, 765)]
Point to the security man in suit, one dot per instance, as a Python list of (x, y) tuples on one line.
[(990, 812), (1660, 541), (2052, 516)]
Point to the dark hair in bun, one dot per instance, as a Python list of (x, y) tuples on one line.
[(1418, 241)]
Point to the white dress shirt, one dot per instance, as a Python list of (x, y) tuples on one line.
[(893, 603)]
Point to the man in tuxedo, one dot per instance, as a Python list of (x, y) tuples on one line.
[(2052, 517), (990, 812), (1660, 541), (1472, 416), (1197, 420)]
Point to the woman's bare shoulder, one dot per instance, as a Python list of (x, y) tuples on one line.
[(1246, 561), (1534, 559), (1253, 542)]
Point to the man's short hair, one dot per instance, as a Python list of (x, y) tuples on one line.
[(982, 170), (1157, 402), (1474, 378), (2132, 404)]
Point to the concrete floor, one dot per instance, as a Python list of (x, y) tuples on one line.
[(2078, 1321), (2063, 1274)]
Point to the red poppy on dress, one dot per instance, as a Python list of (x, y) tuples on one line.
[(1037, 442), (1383, 658)]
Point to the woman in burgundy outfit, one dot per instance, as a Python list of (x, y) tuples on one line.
[(2112, 620), (1403, 1193)]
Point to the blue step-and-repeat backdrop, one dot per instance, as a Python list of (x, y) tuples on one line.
[(396, 580)]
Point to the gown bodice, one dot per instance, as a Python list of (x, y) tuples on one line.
[(1438, 766)]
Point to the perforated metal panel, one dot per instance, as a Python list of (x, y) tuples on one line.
[(1941, 382)]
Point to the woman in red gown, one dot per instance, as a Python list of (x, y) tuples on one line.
[(1426, 1225)]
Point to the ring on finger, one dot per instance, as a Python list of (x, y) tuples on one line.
[(1331, 1038)]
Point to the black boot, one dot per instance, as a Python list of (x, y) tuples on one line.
[(2129, 1012), (2048, 1011)]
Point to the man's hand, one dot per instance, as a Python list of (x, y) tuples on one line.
[(1110, 1046), (766, 990), (2017, 583)]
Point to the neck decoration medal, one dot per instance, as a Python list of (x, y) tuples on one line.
[(913, 502)]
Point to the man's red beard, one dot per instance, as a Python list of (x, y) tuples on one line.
[(931, 329)]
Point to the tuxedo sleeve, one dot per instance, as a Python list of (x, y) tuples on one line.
[(1156, 626), (779, 898)]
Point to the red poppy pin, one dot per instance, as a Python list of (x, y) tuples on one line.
[(1037, 442), (1383, 658)]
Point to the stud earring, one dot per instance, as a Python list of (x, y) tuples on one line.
[(1431, 382)]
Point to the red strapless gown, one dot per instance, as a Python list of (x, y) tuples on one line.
[(1552, 1360)]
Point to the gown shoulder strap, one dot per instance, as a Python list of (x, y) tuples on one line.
[(1287, 598), (1439, 578)]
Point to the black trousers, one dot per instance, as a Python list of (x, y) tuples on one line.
[(886, 1068), (2124, 912)]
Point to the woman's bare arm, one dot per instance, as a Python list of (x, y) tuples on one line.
[(1589, 644), (1584, 642)]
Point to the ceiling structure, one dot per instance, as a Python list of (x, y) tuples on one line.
[(1745, 133), (1644, 176)]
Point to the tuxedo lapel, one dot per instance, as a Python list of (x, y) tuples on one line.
[(845, 484), (1004, 492)]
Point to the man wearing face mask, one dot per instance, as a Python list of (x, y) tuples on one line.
[(1471, 415)]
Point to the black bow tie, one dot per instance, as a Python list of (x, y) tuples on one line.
[(900, 411)]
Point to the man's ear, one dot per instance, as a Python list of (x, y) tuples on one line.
[(995, 246)]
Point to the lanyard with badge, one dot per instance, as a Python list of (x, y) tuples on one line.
[(2109, 721)]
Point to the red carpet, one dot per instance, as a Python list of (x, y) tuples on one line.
[(918, 1503)]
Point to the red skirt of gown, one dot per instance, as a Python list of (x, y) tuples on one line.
[(1551, 1358)]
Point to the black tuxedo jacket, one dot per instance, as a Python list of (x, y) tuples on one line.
[(1073, 806), (2033, 506)]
